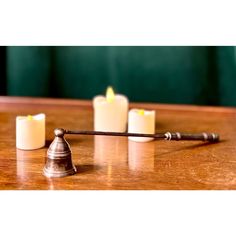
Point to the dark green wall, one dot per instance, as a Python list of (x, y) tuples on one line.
[(190, 75), (28, 71), (3, 86)]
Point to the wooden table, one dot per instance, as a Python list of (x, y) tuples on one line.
[(115, 162)]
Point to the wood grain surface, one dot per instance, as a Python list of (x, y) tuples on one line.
[(115, 162)]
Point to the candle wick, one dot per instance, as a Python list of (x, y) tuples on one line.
[(30, 117), (141, 112)]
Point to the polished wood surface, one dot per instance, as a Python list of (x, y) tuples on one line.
[(115, 162)]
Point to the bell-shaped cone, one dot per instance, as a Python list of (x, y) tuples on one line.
[(59, 148), (59, 160)]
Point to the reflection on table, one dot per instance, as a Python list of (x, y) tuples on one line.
[(110, 151), (21, 159), (141, 156)]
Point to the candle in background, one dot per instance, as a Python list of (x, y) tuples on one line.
[(30, 132), (141, 121), (110, 112)]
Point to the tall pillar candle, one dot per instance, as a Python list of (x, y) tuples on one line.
[(110, 112), (141, 121), (30, 132)]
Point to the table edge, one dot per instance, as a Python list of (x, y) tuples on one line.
[(88, 103)]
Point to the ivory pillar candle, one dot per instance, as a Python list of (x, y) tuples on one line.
[(110, 112), (30, 132), (141, 121)]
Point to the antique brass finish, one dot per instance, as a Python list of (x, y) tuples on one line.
[(59, 158)]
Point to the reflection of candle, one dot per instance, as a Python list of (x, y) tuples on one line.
[(141, 156), (110, 153), (110, 150), (141, 121), (30, 132), (24, 172), (20, 158), (110, 112)]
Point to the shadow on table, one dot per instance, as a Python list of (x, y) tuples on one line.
[(87, 168), (192, 147)]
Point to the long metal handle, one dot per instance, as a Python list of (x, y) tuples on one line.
[(210, 137)]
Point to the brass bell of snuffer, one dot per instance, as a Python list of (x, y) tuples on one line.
[(59, 157)]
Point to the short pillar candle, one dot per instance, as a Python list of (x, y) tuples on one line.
[(30, 132), (110, 112), (141, 121)]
